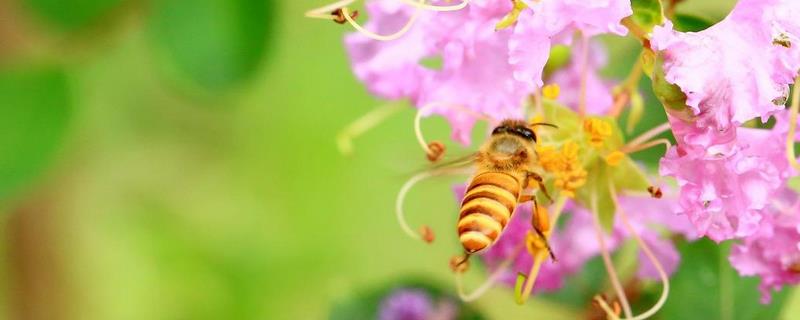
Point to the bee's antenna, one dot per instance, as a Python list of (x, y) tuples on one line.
[(535, 124)]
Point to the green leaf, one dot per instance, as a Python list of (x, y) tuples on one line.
[(71, 15), (706, 285), (215, 43), (690, 23), (34, 113), (647, 14)]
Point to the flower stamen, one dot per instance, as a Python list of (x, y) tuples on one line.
[(435, 149), (422, 5), (338, 10), (649, 253), (612, 272), (598, 130), (426, 234)]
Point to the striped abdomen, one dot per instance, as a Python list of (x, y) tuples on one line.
[(486, 209)]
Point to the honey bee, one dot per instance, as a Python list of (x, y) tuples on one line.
[(505, 166)]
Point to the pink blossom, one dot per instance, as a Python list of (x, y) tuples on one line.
[(737, 69), (554, 22), (773, 251), (486, 71), (390, 69), (725, 187)]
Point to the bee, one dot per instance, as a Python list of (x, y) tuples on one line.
[(505, 166)]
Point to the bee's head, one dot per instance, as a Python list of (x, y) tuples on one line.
[(517, 128), (513, 140)]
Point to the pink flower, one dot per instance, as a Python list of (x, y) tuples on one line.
[(738, 69), (725, 187), (390, 69), (773, 252), (485, 71), (554, 22)]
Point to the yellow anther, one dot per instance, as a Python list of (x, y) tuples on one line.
[(511, 18), (598, 130), (614, 158), (565, 166), (551, 91)]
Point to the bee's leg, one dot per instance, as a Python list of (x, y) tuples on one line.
[(540, 222), (540, 183)]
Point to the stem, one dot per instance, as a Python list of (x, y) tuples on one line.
[(538, 259), (344, 139), (612, 272), (637, 32), (725, 288), (584, 75), (793, 125), (649, 253)]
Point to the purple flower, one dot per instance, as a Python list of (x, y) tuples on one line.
[(406, 304), (773, 251)]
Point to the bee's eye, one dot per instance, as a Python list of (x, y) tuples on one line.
[(499, 130), (525, 133)]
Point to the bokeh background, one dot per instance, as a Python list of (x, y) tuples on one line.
[(176, 159)]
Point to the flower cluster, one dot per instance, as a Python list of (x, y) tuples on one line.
[(484, 70), (736, 71)]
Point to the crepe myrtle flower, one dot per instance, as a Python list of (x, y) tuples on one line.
[(491, 52), (773, 251), (730, 73)]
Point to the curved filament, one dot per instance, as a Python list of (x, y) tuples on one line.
[(424, 6), (325, 12), (647, 145), (647, 135), (401, 197), (649, 253), (612, 272)]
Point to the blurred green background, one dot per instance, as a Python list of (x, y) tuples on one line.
[(176, 159)]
